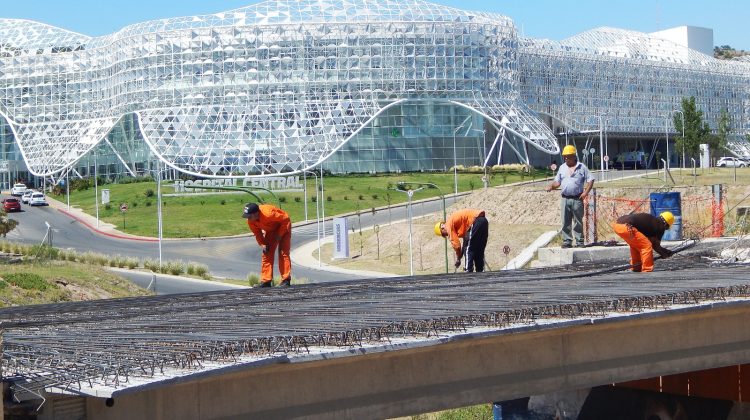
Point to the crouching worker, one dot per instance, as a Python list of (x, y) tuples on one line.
[(471, 227), (643, 233), (272, 228)]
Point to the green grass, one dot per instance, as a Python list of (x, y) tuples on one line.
[(219, 214), (31, 283)]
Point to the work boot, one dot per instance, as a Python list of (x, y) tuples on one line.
[(566, 245), (265, 284), (286, 282)]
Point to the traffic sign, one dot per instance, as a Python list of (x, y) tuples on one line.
[(506, 250), (553, 166), (123, 207), (592, 150), (606, 158)]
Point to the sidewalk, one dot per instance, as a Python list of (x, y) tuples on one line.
[(98, 226)]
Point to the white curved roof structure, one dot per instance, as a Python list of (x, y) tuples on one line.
[(275, 87)]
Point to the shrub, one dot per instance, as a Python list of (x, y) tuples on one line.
[(253, 279), (297, 199), (27, 281), (200, 270), (329, 198), (131, 263), (361, 197), (374, 196), (148, 193), (223, 202), (152, 265), (148, 204), (3, 285), (282, 199), (135, 204), (108, 206), (346, 197), (174, 267), (314, 199)]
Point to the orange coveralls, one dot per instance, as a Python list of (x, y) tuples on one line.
[(641, 249), (458, 224), (273, 228)]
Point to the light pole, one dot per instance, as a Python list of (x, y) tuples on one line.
[(601, 143), (682, 115), (455, 158), (402, 185), (666, 132), (406, 188), (96, 189), (317, 209), (322, 203)]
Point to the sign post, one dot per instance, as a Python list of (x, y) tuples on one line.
[(105, 196), (123, 210), (340, 238)]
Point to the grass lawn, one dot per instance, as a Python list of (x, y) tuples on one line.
[(30, 283), (219, 214)]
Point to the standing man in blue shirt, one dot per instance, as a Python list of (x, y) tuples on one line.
[(575, 182)]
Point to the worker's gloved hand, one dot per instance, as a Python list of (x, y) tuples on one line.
[(457, 263), (667, 253)]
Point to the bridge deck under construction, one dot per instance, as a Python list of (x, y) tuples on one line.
[(72, 346)]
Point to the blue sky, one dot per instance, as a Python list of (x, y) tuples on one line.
[(553, 19)]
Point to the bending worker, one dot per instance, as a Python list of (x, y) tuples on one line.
[(471, 226), (643, 233), (575, 182), (272, 228)]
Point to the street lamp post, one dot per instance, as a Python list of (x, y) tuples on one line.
[(682, 115), (96, 189), (317, 210), (455, 156), (601, 143), (407, 186), (666, 132)]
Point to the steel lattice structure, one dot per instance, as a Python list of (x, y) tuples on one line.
[(275, 87), (634, 79)]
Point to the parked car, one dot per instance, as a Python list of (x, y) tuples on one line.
[(730, 161), (11, 204), (18, 190), (26, 196), (37, 199)]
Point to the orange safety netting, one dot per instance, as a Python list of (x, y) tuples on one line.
[(702, 216)]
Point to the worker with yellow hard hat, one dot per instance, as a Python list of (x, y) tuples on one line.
[(643, 232), (467, 230), (575, 182)]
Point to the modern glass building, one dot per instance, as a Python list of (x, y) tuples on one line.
[(352, 85)]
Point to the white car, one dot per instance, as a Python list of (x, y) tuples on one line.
[(18, 190), (37, 199), (730, 162), (26, 196)]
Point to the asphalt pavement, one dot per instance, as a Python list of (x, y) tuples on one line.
[(231, 257)]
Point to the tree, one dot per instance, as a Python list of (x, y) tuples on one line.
[(722, 133), (696, 130)]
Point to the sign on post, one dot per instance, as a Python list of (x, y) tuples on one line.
[(4, 166), (123, 207), (340, 238), (105, 196)]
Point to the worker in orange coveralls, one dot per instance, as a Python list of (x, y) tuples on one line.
[(472, 227), (272, 228), (643, 233)]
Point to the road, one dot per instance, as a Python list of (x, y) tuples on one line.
[(226, 257)]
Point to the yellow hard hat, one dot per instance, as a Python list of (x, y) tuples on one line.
[(438, 232), (668, 218), (569, 150)]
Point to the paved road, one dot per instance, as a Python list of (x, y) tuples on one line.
[(226, 257)]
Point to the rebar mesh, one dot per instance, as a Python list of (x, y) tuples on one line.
[(107, 343)]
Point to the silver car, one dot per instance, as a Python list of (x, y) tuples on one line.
[(730, 162)]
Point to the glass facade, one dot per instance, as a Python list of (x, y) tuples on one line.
[(352, 85)]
